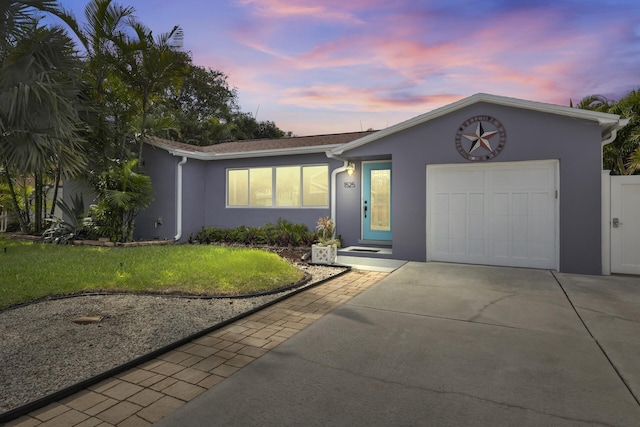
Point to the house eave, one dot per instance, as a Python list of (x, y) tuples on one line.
[(607, 122), (208, 156)]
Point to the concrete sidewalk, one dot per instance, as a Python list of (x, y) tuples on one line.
[(155, 389), (449, 345)]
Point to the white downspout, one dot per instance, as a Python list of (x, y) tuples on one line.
[(612, 137), (179, 199), (334, 187)]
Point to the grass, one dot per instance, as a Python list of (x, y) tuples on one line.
[(30, 271)]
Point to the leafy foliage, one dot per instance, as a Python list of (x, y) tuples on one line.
[(622, 156), (123, 192), (40, 98), (283, 233), (62, 115), (206, 111), (326, 230)]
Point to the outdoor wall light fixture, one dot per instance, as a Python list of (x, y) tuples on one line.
[(351, 168)]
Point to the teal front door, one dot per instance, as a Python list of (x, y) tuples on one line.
[(376, 200)]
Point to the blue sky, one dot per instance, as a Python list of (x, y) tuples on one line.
[(330, 66)]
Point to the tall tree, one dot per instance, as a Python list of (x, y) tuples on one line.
[(39, 96), (622, 155), (203, 107), (17, 16), (105, 22), (150, 65)]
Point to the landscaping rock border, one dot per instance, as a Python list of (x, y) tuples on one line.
[(44, 351)]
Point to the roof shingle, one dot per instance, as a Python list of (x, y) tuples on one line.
[(261, 144)]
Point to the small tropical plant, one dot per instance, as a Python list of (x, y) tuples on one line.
[(123, 193), (58, 232), (326, 230)]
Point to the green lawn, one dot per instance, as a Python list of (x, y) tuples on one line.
[(29, 271)]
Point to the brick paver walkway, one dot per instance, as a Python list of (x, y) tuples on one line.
[(145, 394)]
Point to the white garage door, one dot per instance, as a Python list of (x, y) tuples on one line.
[(495, 214)]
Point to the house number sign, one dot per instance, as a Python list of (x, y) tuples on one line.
[(480, 138)]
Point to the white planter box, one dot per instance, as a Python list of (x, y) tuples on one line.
[(324, 254)]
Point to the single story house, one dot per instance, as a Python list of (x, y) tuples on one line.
[(485, 180)]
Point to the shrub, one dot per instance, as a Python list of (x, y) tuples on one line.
[(283, 233)]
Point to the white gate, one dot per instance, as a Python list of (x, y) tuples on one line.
[(625, 224)]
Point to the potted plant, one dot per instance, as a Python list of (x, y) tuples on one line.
[(325, 250)]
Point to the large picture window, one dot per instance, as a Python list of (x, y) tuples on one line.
[(279, 186)]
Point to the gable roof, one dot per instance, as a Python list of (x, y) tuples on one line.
[(609, 123), (258, 147)]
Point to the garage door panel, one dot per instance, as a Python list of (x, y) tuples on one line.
[(441, 204), (476, 248), (519, 249), (499, 203), (520, 204), (476, 204), (511, 222), (464, 181), (539, 203), (514, 179)]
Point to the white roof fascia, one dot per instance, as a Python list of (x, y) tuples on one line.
[(606, 121), (199, 155)]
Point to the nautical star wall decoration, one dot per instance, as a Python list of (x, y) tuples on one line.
[(480, 138)]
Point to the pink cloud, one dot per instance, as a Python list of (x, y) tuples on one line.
[(340, 97), (326, 11), (394, 64)]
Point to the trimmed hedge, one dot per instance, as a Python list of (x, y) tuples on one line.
[(283, 233)]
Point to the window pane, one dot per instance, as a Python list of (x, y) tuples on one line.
[(238, 187), (260, 187), (288, 186), (381, 200), (315, 182)]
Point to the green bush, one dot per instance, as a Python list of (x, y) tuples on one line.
[(283, 233)]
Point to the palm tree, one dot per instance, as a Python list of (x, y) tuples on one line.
[(106, 21), (122, 53), (16, 16), (149, 66), (122, 194), (620, 152), (594, 103), (39, 94), (622, 156), (110, 123)]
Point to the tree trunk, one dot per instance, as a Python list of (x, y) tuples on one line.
[(56, 177), (143, 131), (24, 221), (37, 217)]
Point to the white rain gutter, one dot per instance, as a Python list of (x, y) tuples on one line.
[(614, 132), (179, 199), (198, 155)]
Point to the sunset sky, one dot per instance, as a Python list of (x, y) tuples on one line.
[(316, 67)]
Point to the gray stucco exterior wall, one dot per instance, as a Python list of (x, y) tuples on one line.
[(575, 144), (161, 167), (204, 195), (217, 214), (531, 135)]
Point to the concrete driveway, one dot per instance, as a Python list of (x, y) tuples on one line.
[(450, 345)]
